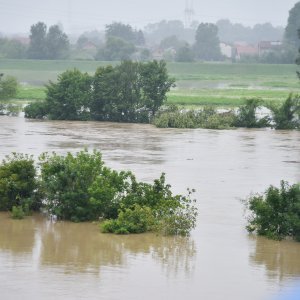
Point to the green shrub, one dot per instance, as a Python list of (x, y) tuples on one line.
[(80, 188), (137, 219), (276, 213), (8, 87), (246, 115), (287, 115), (65, 181), (17, 182), (17, 212), (207, 117), (35, 110)]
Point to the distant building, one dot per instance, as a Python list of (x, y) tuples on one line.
[(158, 54), (89, 46), (23, 40), (226, 50), (240, 51), (268, 46)]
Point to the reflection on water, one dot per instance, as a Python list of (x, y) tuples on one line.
[(281, 259), (42, 260), (82, 248), (15, 236)]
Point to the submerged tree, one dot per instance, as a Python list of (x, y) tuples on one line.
[(276, 213), (128, 92), (69, 98)]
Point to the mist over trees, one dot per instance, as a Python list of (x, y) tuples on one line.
[(207, 44), (234, 32), (169, 40), (12, 48), (121, 41), (293, 25), (51, 44)]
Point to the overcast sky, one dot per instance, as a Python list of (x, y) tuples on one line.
[(16, 16)]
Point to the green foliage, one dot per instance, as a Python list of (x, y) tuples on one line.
[(8, 87), (276, 213), (246, 116), (206, 117), (207, 45), (36, 110), (177, 220), (147, 207), (65, 182), (287, 115), (155, 84), (69, 98), (129, 92), (17, 213), (137, 219), (18, 182), (80, 188)]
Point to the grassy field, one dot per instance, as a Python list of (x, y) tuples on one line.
[(197, 83)]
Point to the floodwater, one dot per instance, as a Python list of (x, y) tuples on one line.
[(44, 260)]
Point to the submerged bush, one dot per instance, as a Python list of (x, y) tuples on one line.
[(287, 115), (80, 188), (276, 213), (17, 213), (137, 219), (208, 117), (247, 115), (36, 110), (18, 182)]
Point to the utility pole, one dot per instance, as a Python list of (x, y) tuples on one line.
[(188, 13)]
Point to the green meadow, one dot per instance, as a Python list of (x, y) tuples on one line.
[(219, 84)]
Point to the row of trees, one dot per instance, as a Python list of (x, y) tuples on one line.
[(122, 42), (48, 44), (128, 92), (81, 188)]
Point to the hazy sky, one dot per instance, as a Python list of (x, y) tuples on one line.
[(81, 15)]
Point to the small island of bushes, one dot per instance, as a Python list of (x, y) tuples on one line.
[(79, 187)]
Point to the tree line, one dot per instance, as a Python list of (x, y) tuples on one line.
[(128, 92), (175, 42)]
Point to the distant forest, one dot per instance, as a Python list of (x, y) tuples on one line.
[(165, 40)]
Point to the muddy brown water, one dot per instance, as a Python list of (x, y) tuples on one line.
[(44, 260)]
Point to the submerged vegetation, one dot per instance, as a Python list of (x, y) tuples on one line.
[(129, 92), (281, 116), (276, 213), (81, 188)]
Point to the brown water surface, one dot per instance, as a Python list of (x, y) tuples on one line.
[(44, 260)]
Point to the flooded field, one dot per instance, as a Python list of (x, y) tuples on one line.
[(44, 260)]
